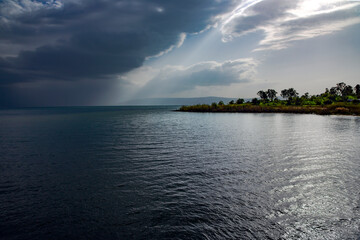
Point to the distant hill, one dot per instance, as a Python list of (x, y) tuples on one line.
[(177, 101)]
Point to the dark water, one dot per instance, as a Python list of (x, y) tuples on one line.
[(151, 173)]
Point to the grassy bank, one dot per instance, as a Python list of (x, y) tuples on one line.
[(336, 108)]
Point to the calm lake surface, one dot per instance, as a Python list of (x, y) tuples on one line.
[(152, 173)]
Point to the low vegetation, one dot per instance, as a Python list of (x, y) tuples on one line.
[(341, 99)]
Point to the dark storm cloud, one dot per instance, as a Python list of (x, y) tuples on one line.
[(93, 39), (78, 40)]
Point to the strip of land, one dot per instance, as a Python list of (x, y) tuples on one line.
[(342, 109), (342, 99)]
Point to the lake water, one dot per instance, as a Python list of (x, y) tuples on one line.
[(152, 173)]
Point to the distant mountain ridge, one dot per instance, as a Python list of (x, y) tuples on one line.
[(177, 101)]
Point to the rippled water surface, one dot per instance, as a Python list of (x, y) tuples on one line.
[(152, 173)]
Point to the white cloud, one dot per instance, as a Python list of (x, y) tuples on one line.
[(279, 37), (285, 21), (176, 79), (182, 38)]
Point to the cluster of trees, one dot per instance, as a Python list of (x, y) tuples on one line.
[(239, 101), (270, 94), (340, 93), (344, 90), (266, 95), (341, 99)]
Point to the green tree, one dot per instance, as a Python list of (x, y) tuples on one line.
[(221, 103), (297, 101), (271, 93), (306, 95), (263, 95), (240, 101), (328, 102), (357, 90), (348, 91), (340, 88), (284, 94), (292, 93), (231, 102), (333, 91), (255, 101), (289, 93)]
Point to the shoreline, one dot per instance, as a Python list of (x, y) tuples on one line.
[(335, 109)]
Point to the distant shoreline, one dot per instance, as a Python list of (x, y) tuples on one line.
[(340, 100), (336, 109)]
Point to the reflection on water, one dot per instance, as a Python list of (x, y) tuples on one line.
[(135, 173)]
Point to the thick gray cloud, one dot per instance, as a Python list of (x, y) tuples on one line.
[(81, 40)]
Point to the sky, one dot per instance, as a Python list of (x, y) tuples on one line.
[(105, 52)]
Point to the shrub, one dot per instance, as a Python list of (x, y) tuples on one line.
[(328, 102), (255, 101), (240, 101)]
